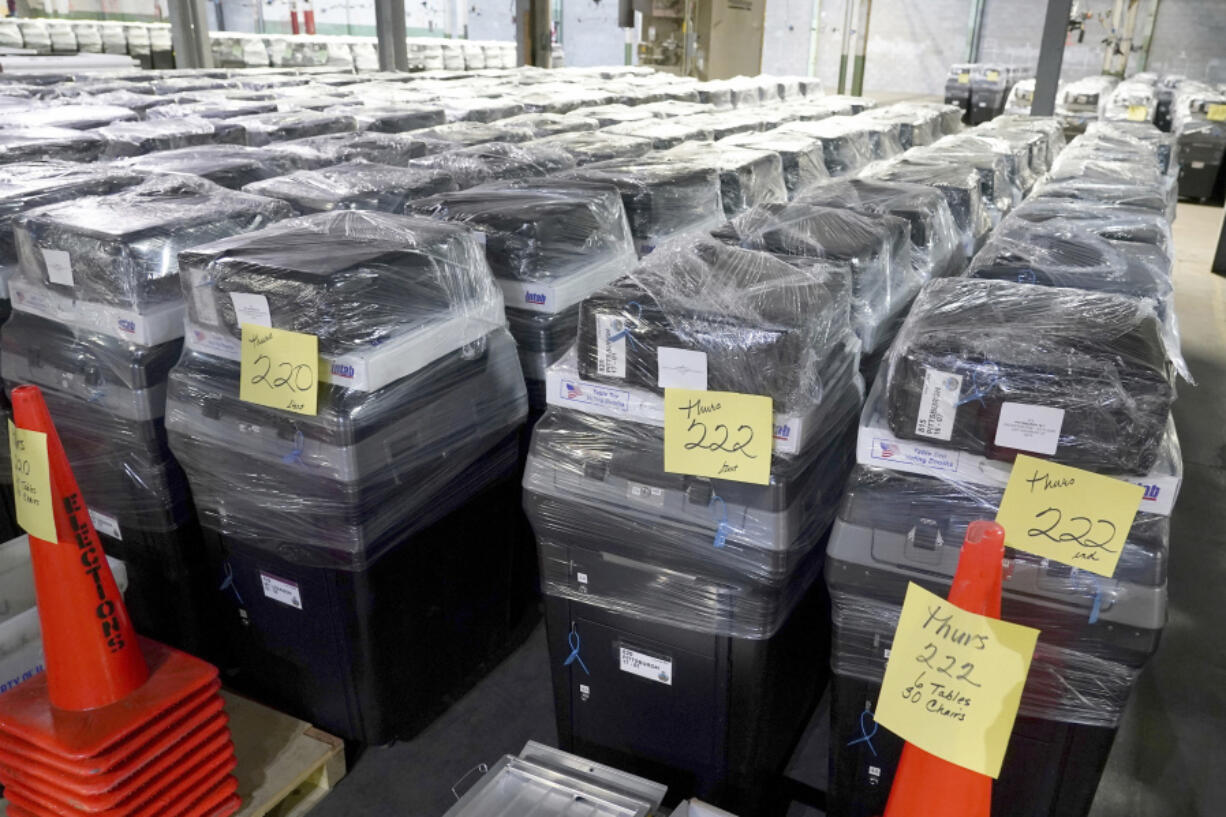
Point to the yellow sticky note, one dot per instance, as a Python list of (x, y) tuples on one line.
[(1217, 113), (1138, 113), (32, 482), (954, 681), (280, 369), (993, 76), (1072, 516), (964, 78), (718, 434)]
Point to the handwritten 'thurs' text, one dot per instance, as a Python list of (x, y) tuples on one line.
[(945, 687)]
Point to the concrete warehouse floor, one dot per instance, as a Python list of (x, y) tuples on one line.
[(1164, 763)]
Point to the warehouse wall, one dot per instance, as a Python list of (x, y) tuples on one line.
[(491, 20), (911, 44), (590, 35)]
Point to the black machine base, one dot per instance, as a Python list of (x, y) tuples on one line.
[(1051, 769), (375, 655), (723, 723)]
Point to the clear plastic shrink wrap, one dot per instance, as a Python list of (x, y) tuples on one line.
[(219, 108), (1048, 126), (1083, 173), (1130, 135), (1111, 221), (917, 523), (1063, 684), (722, 124), (108, 398), (1021, 97), (497, 161), (615, 531), (875, 248), (716, 93), (664, 134), (356, 185), (230, 166), (396, 119), (352, 278), (598, 146), (122, 250), (958, 183), (935, 243), (884, 135), (846, 148), (28, 185), (479, 109), (265, 128), (1061, 252), (137, 138), (549, 124), (663, 197), (747, 176), (339, 488), (79, 117), (765, 326), (917, 125), (394, 149), (969, 347), (1191, 106), (140, 102), (802, 156), (671, 109), (35, 144), (468, 134), (605, 115), (549, 243), (1132, 100), (1001, 180)]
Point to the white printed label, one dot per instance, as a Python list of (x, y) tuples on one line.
[(938, 404), (1198, 165), (59, 267), (106, 525), (250, 308), (875, 771), (581, 578), (649, 494), (1029, 428), (651, 667), (610, 346), (281, 590), (681, 369)]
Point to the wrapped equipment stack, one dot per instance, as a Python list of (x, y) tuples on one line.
[(1061, 328), (97, 325), (384, 530), (550, 244), (682, 611)]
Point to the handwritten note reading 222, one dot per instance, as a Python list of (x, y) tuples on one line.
[(718, 434), (32, 482), (1072, 516), (280, 369), (954, 681)]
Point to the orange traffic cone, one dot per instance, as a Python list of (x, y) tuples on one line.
[(117, 725), (925, 785)]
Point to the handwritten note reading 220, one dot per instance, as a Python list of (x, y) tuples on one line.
[(1072, 516), (718, 434), (954, 681), (32, 482), (280, 369)]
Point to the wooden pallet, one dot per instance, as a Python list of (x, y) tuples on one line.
[(285, 766)]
